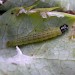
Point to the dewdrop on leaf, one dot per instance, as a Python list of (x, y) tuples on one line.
[(57, 14), (22, 10), (43, 14), (18, 50)]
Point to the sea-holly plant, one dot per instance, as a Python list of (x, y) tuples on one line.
[(42, 57), (24, 21)]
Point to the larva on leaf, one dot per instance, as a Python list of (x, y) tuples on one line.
[(38, 37)]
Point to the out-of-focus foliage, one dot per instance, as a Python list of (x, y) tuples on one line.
[(15, 3), (42, 3)]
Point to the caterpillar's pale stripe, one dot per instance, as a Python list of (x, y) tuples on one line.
[(36, 37)]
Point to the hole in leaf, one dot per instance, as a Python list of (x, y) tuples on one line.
[(2, 11)]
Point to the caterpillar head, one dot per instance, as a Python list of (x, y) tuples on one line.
[(64, 28)]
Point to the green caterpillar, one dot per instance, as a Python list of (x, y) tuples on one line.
[(38, 37)]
